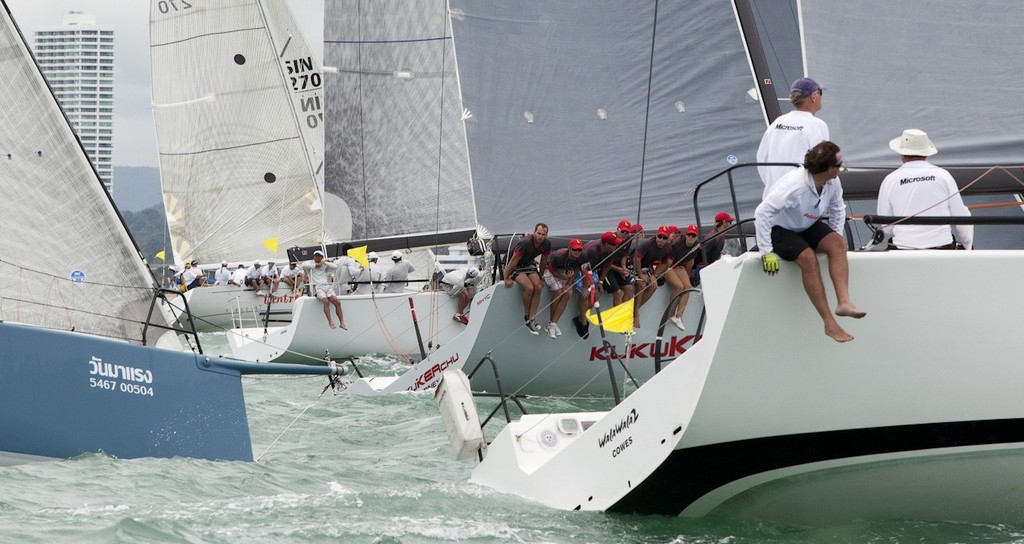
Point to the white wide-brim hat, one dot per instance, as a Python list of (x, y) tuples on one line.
[(913, 142)]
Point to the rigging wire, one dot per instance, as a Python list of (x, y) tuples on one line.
[(647, 113)]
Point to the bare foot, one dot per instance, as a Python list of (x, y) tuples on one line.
[(343, 326), (849, 310), (837, 333), (331, 323)]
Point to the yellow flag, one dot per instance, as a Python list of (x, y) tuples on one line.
[(617, 318), (162, 256), (271, 244), (359, 254)]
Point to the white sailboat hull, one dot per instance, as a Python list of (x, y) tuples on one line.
[(221, 307), (381, 324), (768, 418), (531, 364)]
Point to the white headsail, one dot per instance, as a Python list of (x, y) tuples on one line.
[(66, 259), (237, 98)]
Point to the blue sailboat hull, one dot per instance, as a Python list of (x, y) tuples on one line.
[(63, 394)]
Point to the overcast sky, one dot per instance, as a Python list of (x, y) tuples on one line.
[(134, 134)]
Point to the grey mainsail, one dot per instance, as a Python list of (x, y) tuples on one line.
[(559, 97), (950, 68), (396, 145)]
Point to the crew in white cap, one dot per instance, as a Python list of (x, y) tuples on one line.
[(921, 188), (789, 137), (222, 275), (461, 283), (396, 279), (319, 273)]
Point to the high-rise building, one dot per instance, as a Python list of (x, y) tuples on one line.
[(78, 61)]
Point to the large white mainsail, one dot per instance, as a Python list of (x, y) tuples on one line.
[(237, 100), (396, 140), (73, 267)]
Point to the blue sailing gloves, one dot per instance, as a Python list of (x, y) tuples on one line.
[(770, 262)]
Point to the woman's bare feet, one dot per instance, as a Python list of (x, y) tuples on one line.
[(331, 323), (849, 310)]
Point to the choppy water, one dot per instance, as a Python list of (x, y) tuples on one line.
[(348, 469)]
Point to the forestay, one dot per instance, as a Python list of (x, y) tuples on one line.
[(396, 141), (66, 260), (238, 107)]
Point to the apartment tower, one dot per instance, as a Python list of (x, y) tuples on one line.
[(78, 61)]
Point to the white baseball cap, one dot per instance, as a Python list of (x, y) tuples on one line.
[(397, 255), (371, 256)]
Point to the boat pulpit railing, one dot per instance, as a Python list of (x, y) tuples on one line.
[(502, 397), (727, 175), (160, 293)]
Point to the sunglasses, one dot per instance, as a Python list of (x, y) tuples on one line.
[(839, 164), (691, 235), (662, 237)]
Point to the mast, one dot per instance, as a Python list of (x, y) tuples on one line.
[(758, 61)]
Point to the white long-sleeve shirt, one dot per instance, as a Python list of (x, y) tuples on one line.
[(921, 188), (795, 204), (787, 139)]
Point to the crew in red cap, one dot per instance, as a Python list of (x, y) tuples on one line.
[(684, 252), (714, 242), (563, 265), (651, 260), (596, 262)]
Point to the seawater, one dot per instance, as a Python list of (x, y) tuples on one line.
[(336, 468)]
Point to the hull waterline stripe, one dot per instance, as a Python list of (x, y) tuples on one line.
[(688, 474)]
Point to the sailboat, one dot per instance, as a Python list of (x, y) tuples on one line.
[(765, 417), (397, 155), (238, 103), (569, 125), (91, 362)]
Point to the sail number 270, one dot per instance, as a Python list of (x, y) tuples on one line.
[(167, 6)]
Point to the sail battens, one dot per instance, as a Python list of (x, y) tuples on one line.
[(206, 35), (382, 42), (238, 166), (398, 153), (218, 149)]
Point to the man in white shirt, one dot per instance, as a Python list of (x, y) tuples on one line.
[(921, 188), (253, 278), (461, 283), (369, 279), (270, 277), (292, 276), (222, 275), (396, 278), (319, 273), (789, 137), (238, 276), (190, 277), (789, 225)]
